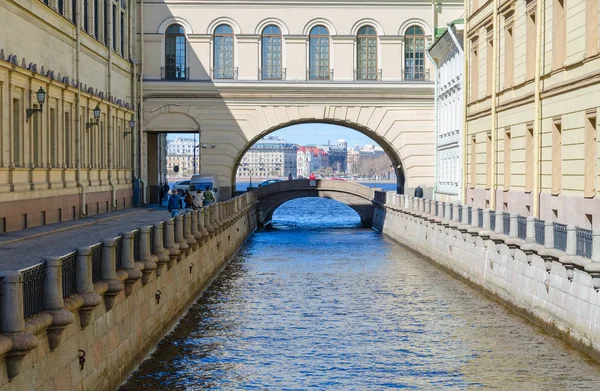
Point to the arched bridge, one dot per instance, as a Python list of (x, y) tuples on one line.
[(357, 196)]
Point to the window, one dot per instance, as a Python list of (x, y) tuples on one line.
[(473, 161), (37, 142), (529, 158), (106, 22), (53, 155), (414, 54), (590, 156), (271, 53), (591, 27), (68, 141), (559, 35), (16, 136), (489, 60), (530, 46), (175, 53), (74, 11), (96, 13), (60, 6), (488, 161), (223, 53), (367, 54), (509, 54), (319, 54), (122, 34), (556, 156), (507, 158), (85, 16), (114, 29), (474, 71)]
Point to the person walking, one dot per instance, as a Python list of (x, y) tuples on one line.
[(189, 201), (312, 176), (174, 204), (198, 200), (419, 192), (290, 177), (209, 197), (166, 189)]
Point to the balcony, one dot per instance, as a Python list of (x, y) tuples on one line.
[(416, 74), (273, 75), (368, 75), (224, 74), (174, 73)]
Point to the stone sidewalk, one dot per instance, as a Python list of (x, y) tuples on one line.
[(22, 249)]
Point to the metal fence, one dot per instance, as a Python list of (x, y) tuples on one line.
[(560, 236), (480, 217), (136, 245), (492, 220), (436, 209), (33, 289), (69, 274), (522, 227), (97, 250), (540, 234), (460, 213), (506, 223), (119, 252), (584, 242), (451, 213), (469, 215)]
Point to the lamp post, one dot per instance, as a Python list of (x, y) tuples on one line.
[(41, 98), (96, 111), (131, 126)]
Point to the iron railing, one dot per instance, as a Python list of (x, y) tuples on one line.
[(437, 209), (492, 220), (506, 223), (33, 289), (266, 75), (417, 73), (451, 212), (560, 236), (119, 252), (136, 245), (316, 75), (69, 274), (469, 215), (460, 213), (368, 75), (480, 217), (522, 227), (174, 73), (584, 242), (540, 232), (224, 74), (97, 251)]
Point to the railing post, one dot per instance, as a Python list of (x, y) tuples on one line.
[(159, 250), (169, 241), (195, 233), (109, 273), (85, 286), (571, 240), (54, 302), (475, 217), (465, 215), (514, 225), (548, 235), (455, 212), (447, 207), (187, 231), (427, 207), (499, 222), (530, 237), (596, 245), (128, 262), (208, 220), (202, 228), (593, 268), (146, 255), (486, 220), (179, 239)]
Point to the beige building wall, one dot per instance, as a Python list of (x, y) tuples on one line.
[(52, 166), (233, 114), (562, 145)]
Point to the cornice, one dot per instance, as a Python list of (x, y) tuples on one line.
[(296, 3)]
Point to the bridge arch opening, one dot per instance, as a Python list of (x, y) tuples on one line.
[(303, 132), (314, 213)]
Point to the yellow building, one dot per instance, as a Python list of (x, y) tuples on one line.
[(532, 104), (57, 161)]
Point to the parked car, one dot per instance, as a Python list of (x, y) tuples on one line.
[(269, 182), (180, 187)]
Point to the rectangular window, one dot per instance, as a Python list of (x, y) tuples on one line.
[(509, 58), (473, 161), (590, 156), (556, 156), (507, 158), (530, 46), (105, 21), (60, 7), (68, 141), (86, 16), (16, 135), (488, 161), (96, 19), (53, 154), (474, 72), (74, 11), (122, 33), (591, 27), (36, 139), (114, 24), (559, 36), (489, 77), (529, 158)]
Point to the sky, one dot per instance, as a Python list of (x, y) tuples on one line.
[(307, 134)]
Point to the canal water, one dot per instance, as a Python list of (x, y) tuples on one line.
[(318, 303)]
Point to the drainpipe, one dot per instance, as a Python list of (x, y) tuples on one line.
[(133, 84), (139, 108), (461, 143), (495, 48), (466, 84), (109, 127), (435, 124), (538, 110), (80, 184)]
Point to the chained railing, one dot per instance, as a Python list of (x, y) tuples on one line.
[(97, 251), (584, 242), (119, 252), (522, 227), (136, 245), (69, 274), (540, 234), (560, 236), (33, 289), (506, 223)]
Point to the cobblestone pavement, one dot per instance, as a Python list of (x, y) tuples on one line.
[(22, 249)]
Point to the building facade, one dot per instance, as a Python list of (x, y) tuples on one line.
[(269, 158), (447, 56), (532, 109), (68, 151), (310, 160)]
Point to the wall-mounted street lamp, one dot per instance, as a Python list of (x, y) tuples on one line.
[(88, 125), (131, 125), (41, 98)]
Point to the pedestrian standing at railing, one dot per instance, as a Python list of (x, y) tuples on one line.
[(174, 204), (419, 192)]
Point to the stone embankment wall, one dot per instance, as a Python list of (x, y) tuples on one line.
[(99, 322), (561, 297)]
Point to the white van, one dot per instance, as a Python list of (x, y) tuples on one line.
[(200, 182)]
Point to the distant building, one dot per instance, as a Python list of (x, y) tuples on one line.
[(337, 155), (352, 159), (270, 157), (309, 160), (180, 152)]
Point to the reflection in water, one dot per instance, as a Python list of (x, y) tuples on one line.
[(310, 306)]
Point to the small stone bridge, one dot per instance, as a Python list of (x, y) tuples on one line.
[(357, 196)]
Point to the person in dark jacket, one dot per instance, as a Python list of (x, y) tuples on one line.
[(189, 200), (166, 190), (174, 204), (419, 192)]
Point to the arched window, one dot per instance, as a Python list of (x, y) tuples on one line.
[(414, 54), (271, 53), (223, 52), (175, 56), (319, 53), (367, 54)]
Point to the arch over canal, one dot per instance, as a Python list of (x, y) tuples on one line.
[(356, 196)]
